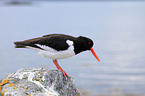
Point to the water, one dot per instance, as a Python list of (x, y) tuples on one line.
[(117, 28)]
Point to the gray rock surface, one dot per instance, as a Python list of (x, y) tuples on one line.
[(38, 82)]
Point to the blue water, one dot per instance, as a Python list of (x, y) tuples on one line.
[(117, 29)]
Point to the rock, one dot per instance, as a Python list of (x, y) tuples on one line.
[(38, 82)]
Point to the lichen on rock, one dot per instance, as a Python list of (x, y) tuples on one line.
[(38, 82)]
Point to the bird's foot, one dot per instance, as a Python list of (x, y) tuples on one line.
[(65, 74), (59, 68), (3, 83)]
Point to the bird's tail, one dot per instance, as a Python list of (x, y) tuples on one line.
[(20, 44)]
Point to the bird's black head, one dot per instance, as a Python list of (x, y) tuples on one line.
[(83, 44), (88, 43)]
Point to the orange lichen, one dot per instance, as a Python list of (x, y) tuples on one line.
[(4, 82), (21, 85), (15, 88), (11, 85), (2, 93), (0, 87)]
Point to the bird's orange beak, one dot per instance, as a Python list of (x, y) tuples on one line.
[(93, 52)]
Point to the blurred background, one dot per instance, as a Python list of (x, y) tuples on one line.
[(116, 27)]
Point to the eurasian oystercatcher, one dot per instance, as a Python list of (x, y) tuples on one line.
[(58, 46)]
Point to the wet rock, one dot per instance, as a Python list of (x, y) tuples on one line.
[(38, 82)]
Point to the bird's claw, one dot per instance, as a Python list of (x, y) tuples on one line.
[(65, 74)]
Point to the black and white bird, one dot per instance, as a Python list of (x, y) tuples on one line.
[(58, 46)]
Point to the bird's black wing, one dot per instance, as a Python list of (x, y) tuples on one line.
[(55, 41)]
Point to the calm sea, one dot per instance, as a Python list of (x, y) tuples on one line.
[(117, 29)]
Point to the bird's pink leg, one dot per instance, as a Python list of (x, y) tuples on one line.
[(59, 68)]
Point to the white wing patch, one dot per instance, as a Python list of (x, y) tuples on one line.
[(70, 43), (46, 48)]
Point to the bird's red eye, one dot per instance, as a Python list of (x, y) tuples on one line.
[(89, 42)]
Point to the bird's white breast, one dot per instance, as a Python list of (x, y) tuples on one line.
[(51, 53)]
